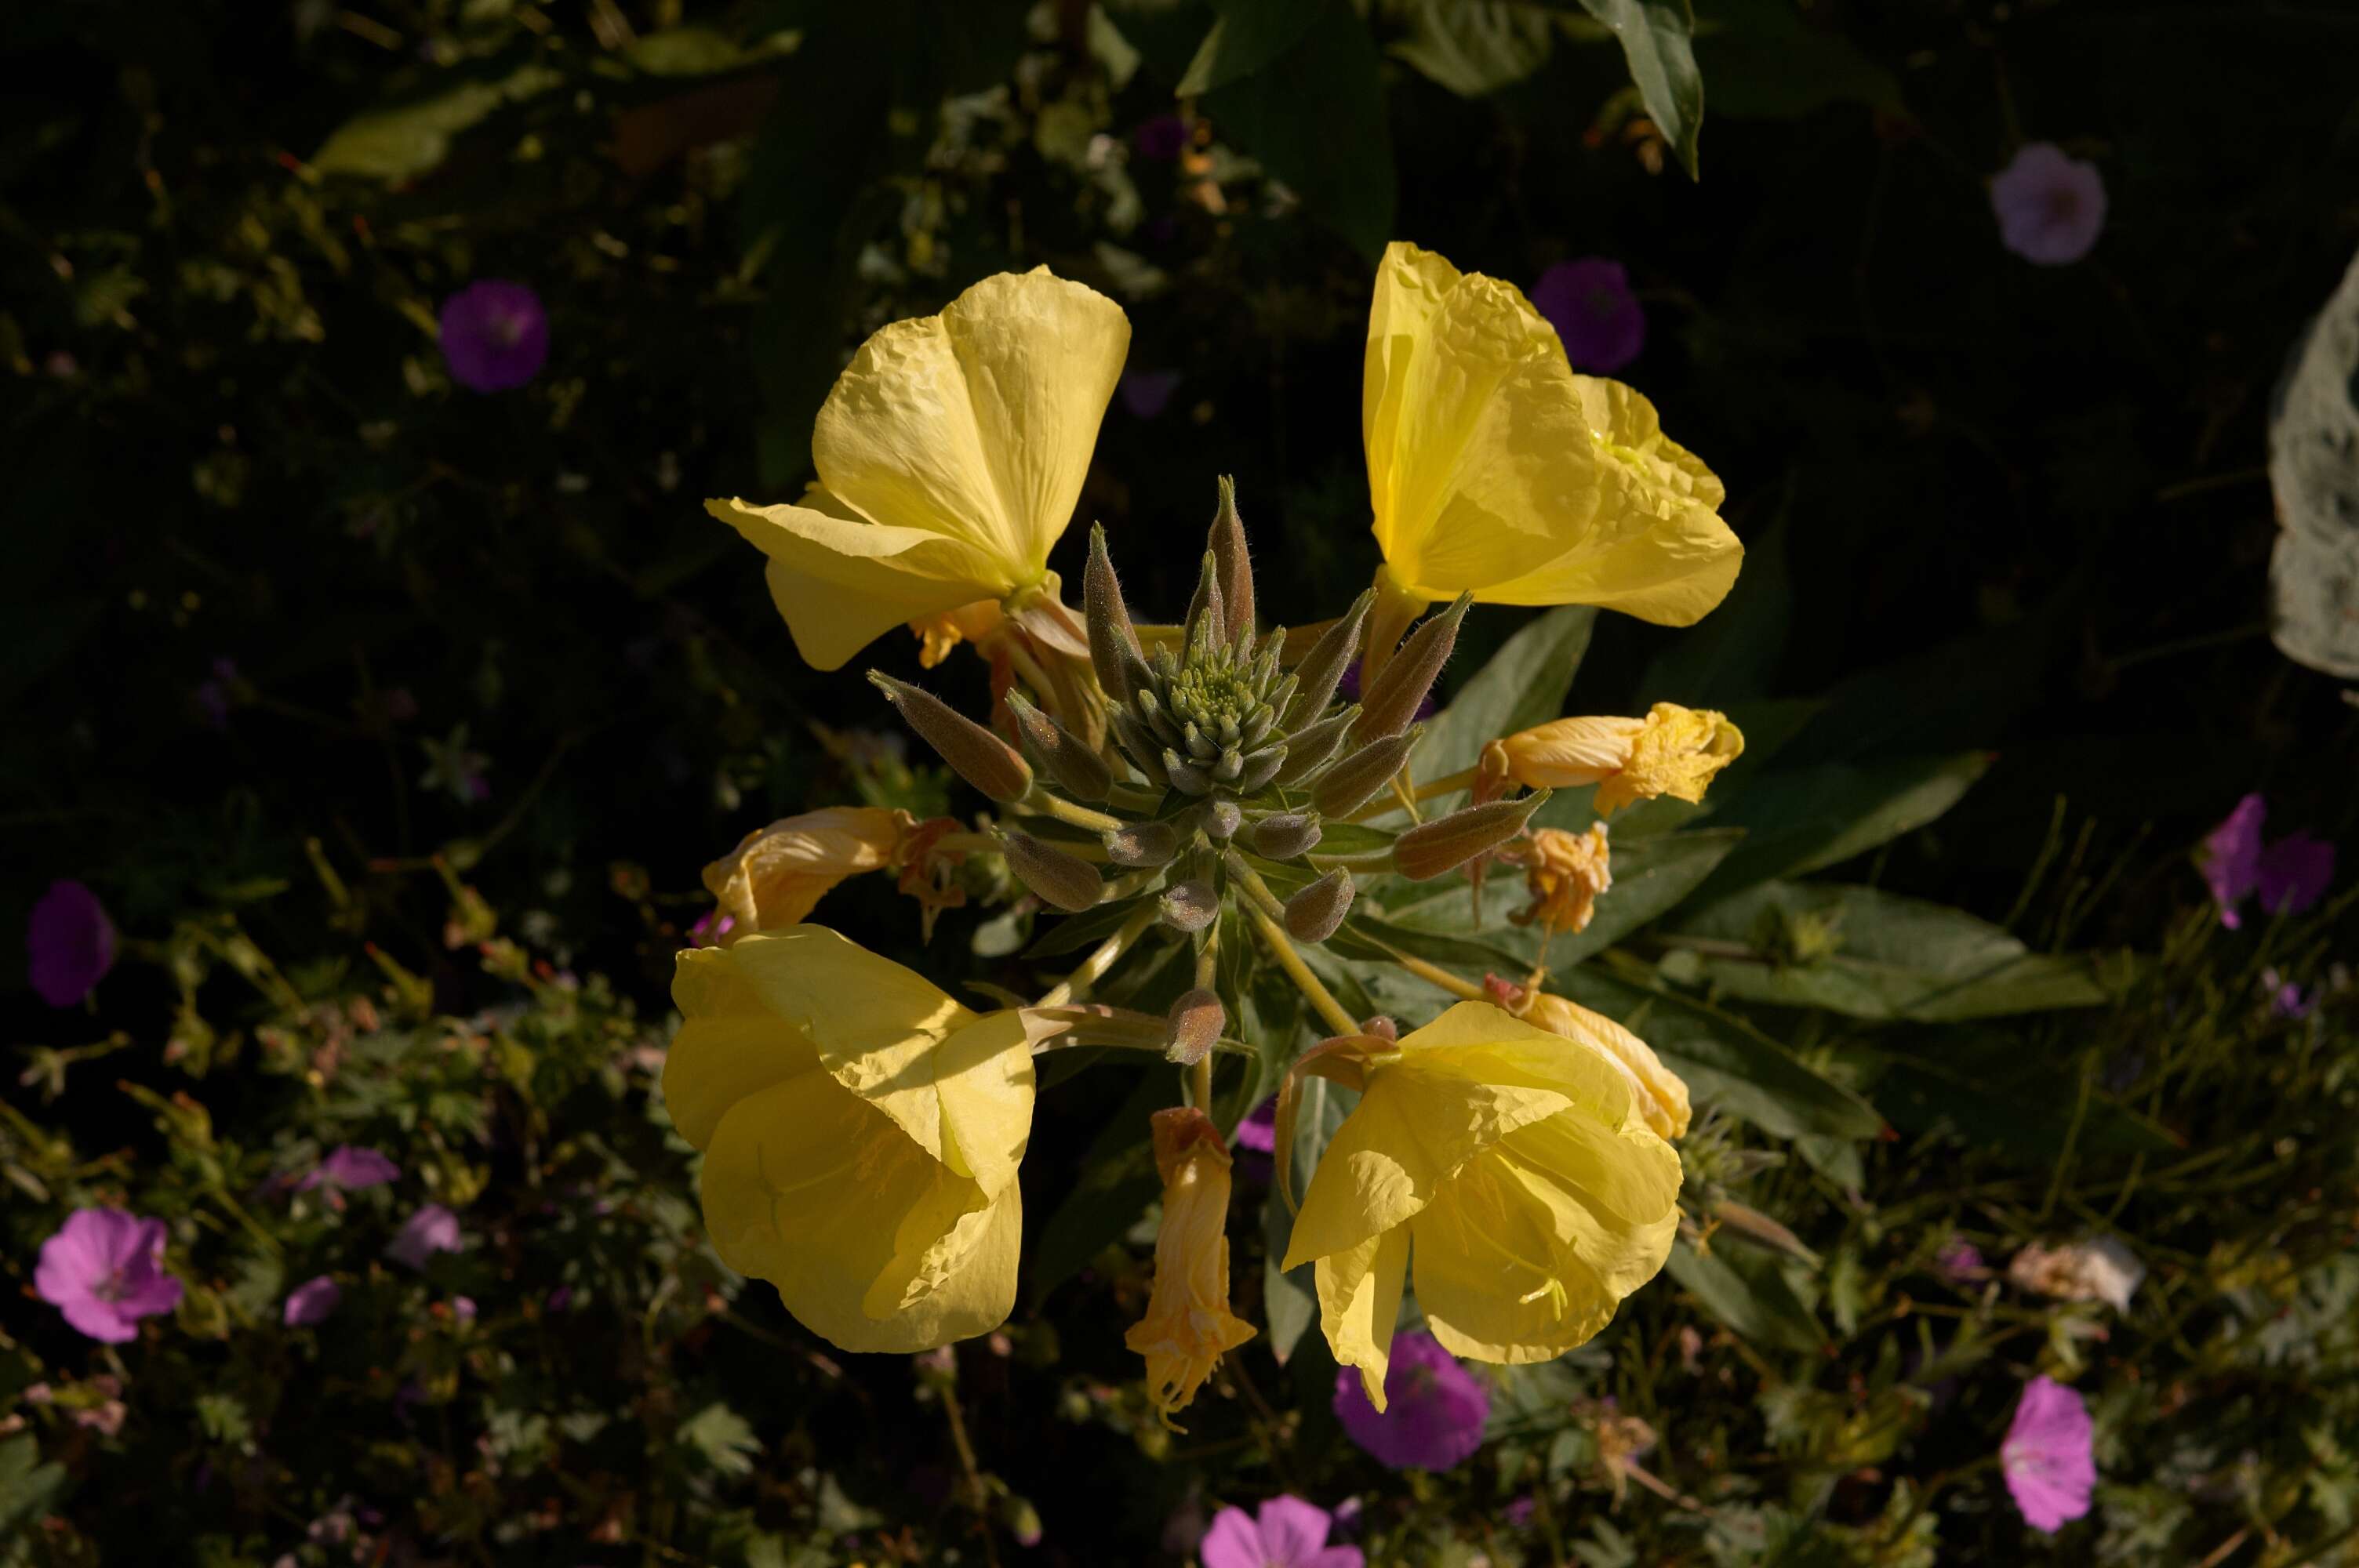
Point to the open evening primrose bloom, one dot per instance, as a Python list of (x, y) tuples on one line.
[(950, 455), (861, 1134)]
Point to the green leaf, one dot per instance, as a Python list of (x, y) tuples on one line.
[(1799, 819), (1766, 63), (1725, 1060), (1874, 955), (1116, 1183), (399, 144), (1471, 47), (1524, 684), (1087, 929), (723, 1438), (1731, 656), (1315, 118), (1658, 41), (1756, 1302), (28, 1488), (1247, 36), (2026, 1120)]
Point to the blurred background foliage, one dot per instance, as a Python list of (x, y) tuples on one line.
[(311, 654)]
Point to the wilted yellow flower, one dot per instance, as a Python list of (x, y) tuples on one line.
[(1507, 1167), (1658, 1094), (861, 1134), (1188, 1326), (1493, 468), (777, 873), (1565, 872), (950, 456), (1673, 751)]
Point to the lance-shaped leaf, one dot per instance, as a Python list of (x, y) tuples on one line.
[(977, 755)]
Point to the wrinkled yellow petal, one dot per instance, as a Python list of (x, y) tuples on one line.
[(1359, 1299), (1188, 1326), (872, 1243), (1658, 1094), (977, 425), (775, 874), (1493, 468), (1566, 873), (1566, 753), (960, 1086), (1676, 752), (730, 1043)]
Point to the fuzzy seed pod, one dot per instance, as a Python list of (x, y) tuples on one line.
[(1079, 771), (977, 755), (1189, 906), (1142, 844), (1068, 883), (1431, 848), (1220, 820), (1312, 914), (1355, 780), (1282, 838), (1195, 1021)]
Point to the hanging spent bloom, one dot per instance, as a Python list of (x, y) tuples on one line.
[(1432, 1413), (494, 335), (2294, 874), (1287, 1532), (1621, 1442), (951, 454), (104, 1271), (1589, 304), (1565, 873), (431, 1229), (1188, 1326), (2050, 206), (861, 1134), (68, 943), (1493, 468), (2229, 858), (2101, 1270), (1533, 1191), (1658, 1094), (1673, 751), (313, 1301), (778, 874), (2048, 1455), (352, 1168)]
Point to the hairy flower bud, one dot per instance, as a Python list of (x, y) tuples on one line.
[(1312, 914), (1283, 836), (1114, 645), (1079, 770), (1065, 880), (1431, 848), (977, 755), (1220, 820), (1392, 699), (1324, 666), (1139, 744), (1196, 1021), (1307, 751), (1207, 621), (1227, 542), (1142, 843), (1189, 906), (1355, 780)]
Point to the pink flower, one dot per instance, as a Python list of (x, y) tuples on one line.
[(313, 1301), (2050, 207), (1289, 1533), (2229, 856), (1259, 1129), (104, 1269), (1958, 1260), (352, 1168), (1434, 1409), (1589, 304), (431, 1229), (494, 335), (69, 943), (2050, 1468)]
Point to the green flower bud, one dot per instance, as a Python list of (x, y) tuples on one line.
[(1195, 1023), (1312, 914), (1356, 780), (1079, 771), (1065, 880), (1283, 836), (1142, 844), (1391, 702), (1431, 848)]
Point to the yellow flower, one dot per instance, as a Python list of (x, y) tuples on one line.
[(1504, 1164), (1673, 751), (1188, 1326), (1565, 872), (777, 873), (1493, 468), (1658, 1094), (950, 455), (861, 1134)]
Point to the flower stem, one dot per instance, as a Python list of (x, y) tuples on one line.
[(1108, 952), (1047, 805), (1434, 974), (1281, 947)]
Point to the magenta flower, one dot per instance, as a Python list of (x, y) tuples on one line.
[(313, 1301), (352, 1168), (2294, 873), (1589, 304), (494, 335), (431, 1229), (104, 1269), (2050, 207), (1147, 392), (2046, 1455), (1288, 1533), (1259, 1128), (68, 943), (2229, 856), (1959, 1260), (1434, 1409)]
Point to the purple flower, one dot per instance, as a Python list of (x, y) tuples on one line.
[(1589, 304), (1959, 1260), (494, 335), (2287, 1000), (104, 1269), (1260, 1131), (352, 1168), (2294, 873), (313, 1301), (1288, 1533), (1147, 392), (1434, 1409), (2050, 207), (2231, 857), (431, 1229), (1163, 138), (69, 943), (2050, 1468)]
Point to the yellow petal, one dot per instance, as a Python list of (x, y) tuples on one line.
[(872, 1243), (730, 1043), (1660, 1096), (777, 873), (1359, 1298), (978, 424), (958, 1084), (1566, 753), (1492, 467), (1676, 752)]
